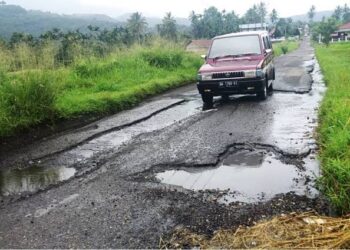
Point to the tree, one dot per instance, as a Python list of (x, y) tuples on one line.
[(196, 25), (17, 38), (252, 15), (274, 17), (137, 25), (326, 28), (2, 3), (262, 12), (231, 22), (311, 13), (346, 14), (286, 27), (338, 13), (212, 22), (168, 28)]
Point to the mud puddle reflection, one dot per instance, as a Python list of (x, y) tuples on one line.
[(247, 176), (32, 179)]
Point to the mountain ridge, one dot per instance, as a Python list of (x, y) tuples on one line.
[(15, 18)]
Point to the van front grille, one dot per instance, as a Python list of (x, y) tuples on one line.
[(223, 75)]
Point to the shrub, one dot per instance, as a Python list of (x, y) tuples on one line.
[(284, 49), (163, 58), (25, 100), (92, 69)]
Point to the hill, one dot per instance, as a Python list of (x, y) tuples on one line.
[(14, 18), (318, 16)]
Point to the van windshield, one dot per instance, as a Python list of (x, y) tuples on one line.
[(235, 46)]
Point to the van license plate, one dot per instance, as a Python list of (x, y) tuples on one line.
[(230, 84)]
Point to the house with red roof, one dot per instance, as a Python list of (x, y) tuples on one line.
[(342, 33)]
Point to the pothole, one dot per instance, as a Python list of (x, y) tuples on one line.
[(32, 179), (245, 176)]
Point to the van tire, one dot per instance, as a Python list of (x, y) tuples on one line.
[(262, 95), (270, 89), (207, 99)]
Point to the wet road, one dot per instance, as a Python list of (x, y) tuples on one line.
[(129, 179)]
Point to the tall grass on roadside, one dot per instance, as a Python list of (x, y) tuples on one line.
[(25, 100), (125, 78), (42, 90), (334, 131), (285, 47)]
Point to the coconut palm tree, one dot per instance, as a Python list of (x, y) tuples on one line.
[(168, 28), (136, 26)]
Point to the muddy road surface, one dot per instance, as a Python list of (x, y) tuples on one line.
[(130, 179)]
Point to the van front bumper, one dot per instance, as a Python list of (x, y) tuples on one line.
[(230, 87)]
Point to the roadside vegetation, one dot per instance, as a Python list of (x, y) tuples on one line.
[(285, 47), (42, 91), (334, 131)]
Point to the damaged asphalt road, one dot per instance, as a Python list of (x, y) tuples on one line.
[(130, 179)]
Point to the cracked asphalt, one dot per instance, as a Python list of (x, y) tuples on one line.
[(99, 187)]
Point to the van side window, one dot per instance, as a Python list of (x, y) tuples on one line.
[(266, 44), (269, 42)]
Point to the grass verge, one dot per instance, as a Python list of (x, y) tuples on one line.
[(285, 47), (334, 130), (92, 85)]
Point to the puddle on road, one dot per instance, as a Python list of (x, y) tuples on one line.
[(32, 179), (296, 119), (250, 176), (35, 178)]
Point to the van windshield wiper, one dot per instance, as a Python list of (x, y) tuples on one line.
[(225, 56), (248, 54), (235, 56)]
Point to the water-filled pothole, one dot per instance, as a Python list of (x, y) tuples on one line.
[(250, 176), (31, 179)]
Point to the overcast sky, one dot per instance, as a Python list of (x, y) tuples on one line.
[(180, 8)]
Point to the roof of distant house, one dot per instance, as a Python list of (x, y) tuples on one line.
[(201, 43), (344, 27)]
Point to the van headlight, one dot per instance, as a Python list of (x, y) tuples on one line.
[(259, 73), (204, 77), (250, 74)]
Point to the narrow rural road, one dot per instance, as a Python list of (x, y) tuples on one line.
[(129, 179)]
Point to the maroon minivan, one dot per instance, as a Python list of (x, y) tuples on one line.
[(238, 63)]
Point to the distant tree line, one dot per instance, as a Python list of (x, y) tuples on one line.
[(96, 41), (214, 22)]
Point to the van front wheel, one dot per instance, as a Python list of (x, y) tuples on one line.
[(262, 95), (207, 99)]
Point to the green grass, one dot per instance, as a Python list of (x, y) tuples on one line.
[(91, 85), (334, 131), (285, 47)]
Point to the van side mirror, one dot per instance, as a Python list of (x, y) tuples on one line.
[(204, 57), (268, 51)]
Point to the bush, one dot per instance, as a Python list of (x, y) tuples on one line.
[(91, 69), (284, 49), (163, 58), (25, 100)]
